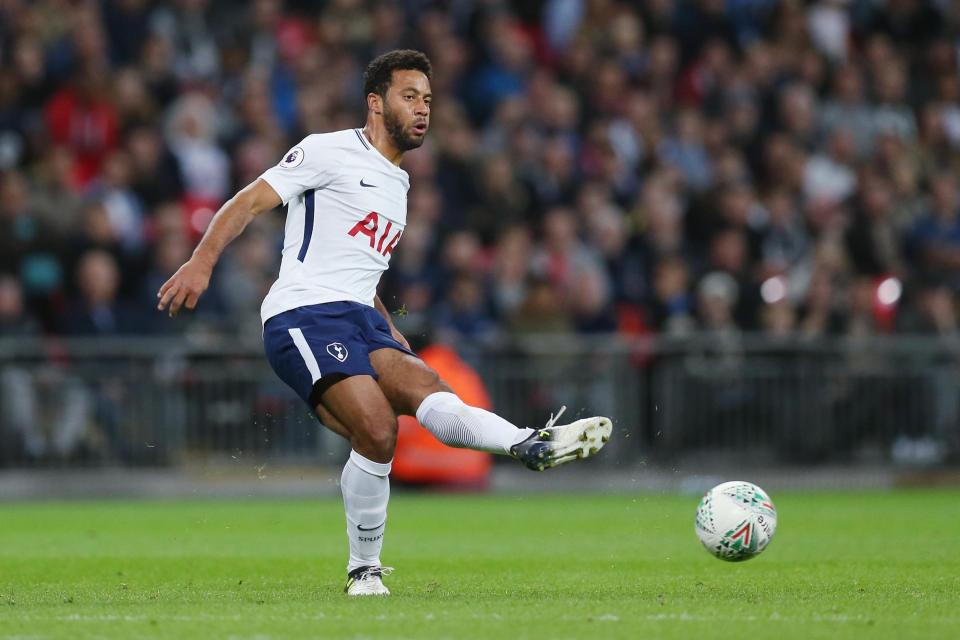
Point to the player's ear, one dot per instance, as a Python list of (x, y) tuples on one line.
[(375, 103)]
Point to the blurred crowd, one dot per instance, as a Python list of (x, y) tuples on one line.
[(666, 166)]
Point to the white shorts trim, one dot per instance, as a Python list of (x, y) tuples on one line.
[(308, 358)]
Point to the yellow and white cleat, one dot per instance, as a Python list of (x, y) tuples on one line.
[(367, 581), (556, 445)]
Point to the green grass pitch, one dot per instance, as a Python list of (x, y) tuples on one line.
[(845, 565)]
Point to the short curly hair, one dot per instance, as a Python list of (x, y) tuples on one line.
[(379, 73)]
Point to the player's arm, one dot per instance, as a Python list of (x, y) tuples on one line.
[(186, 286), (386, 314)]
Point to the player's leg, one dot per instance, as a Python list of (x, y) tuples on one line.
[(364, 577), (413, 388), (328, 420), (357, 406), (314, 350)]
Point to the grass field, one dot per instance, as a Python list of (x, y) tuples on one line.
[(865, 565)]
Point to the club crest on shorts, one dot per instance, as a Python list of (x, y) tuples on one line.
[(338, 351)]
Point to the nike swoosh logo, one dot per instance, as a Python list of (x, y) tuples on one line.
[(371, 528), (364, 184)]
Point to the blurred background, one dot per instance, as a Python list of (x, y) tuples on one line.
[(731, 225)]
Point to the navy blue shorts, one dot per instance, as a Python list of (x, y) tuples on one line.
[(306, 344)]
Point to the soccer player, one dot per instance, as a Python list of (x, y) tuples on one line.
[(325, 331)]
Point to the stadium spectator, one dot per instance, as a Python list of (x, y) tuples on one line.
[(873, 239), (80, 117), (14, 319), (741, 137), (28, 247), (830, 176), (464, 314), (97, 309), (671, 307), (819, 314), (936, 236)]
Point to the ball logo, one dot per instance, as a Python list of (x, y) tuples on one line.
[(293, 158), (338, 351)]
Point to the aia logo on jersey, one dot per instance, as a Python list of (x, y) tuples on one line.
[(370, 227)]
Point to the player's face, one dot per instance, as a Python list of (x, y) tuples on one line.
[(406, 111)]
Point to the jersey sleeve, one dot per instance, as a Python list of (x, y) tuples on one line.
[(306, 166)]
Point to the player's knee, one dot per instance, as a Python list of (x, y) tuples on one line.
[(376, 440), (431, 383)]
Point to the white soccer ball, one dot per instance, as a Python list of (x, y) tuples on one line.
[(736, 520)]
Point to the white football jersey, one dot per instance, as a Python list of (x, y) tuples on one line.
[(346, 210)]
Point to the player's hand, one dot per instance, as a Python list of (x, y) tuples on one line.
[(184, 287)]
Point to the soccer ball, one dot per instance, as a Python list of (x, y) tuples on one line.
[(736, 520)]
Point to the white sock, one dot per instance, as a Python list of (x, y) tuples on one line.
[(459, 425), (366, 490)]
